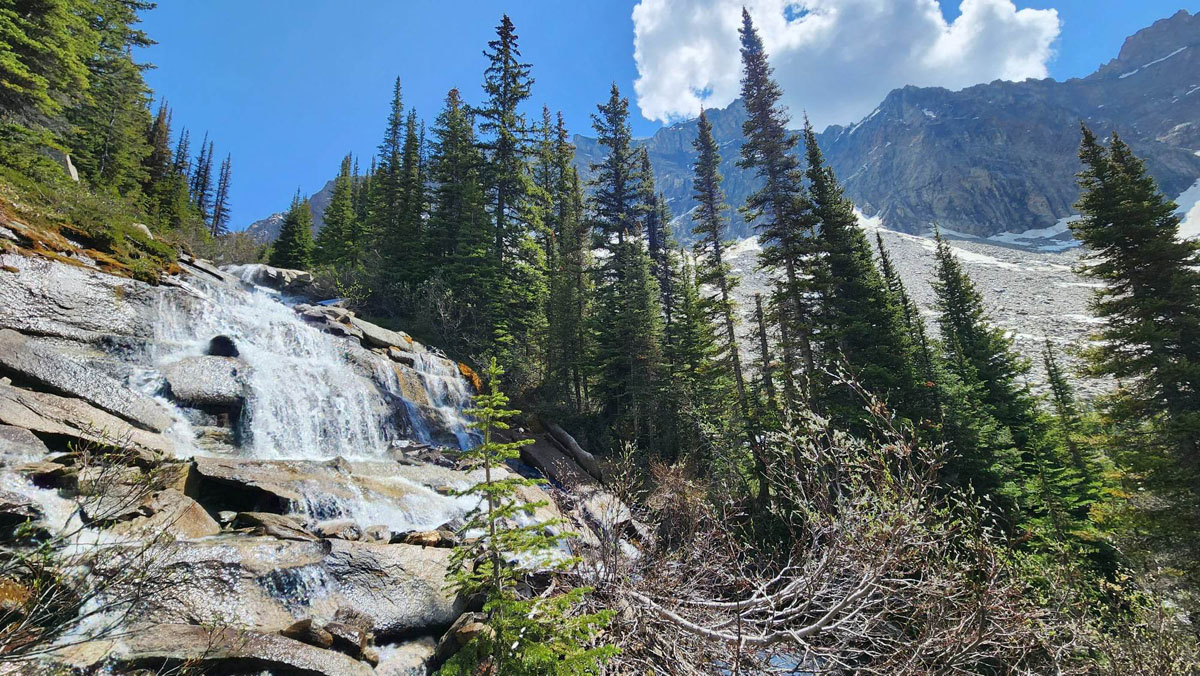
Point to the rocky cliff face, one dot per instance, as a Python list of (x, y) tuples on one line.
[(997, 157), (256, 483)]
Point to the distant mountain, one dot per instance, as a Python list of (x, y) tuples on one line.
[(997, 157), (267, 229), (993, 158)]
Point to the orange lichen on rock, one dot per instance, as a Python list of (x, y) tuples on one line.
[(471, 376)]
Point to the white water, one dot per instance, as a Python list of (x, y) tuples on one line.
[(306, 400)]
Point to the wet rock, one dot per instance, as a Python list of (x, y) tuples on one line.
[(411, 658), (370, 655), (307, 631), (266, 582), (377, 534), (377, 336), (76, 419), (348, 639), (427, 538), (217, 382), (19, 446), (343, 529), (399, 587), (15, 510), (400, 356), (280, 279), (47, 364), (275, 525), (176, 646), (171, 512), (48, 474), (47, 298)]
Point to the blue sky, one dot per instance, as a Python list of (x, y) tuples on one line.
[(289, 86)]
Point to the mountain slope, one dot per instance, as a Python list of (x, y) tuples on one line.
[(997, 157)]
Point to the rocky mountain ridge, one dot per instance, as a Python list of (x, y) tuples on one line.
[(988, 159)]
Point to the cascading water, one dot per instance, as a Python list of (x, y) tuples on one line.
[(305, 398), (312, 396)]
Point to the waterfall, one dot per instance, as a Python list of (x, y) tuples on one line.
[(309, 396)]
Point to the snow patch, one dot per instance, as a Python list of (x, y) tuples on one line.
[(929, 113), (1036, 238), (1135, 70), (1189, 211)]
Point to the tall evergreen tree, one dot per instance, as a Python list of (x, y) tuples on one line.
[(627, 319), (158, 162), (507, 84), (696, 396), (519, 300), (926, 403), (392, 242), (294, 247), (712, 270), (1150, 298), (861, 322), (201, 181), (220, 212), (777, 208), (337, 243), (43, 62)]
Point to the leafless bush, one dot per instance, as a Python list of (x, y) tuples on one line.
[(70, 582), (881, 572)]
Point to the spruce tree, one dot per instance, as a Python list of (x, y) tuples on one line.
[(1150, 298), (628, 318), (568, 273), (336, 244), (777, 209), (712, 270), (926, 404), (220, 212), (44, 61), (201, 181), (519, 299), (158, 162), (537, 635), (696, 397), (507, 84), (385, 211), (861, 321), (294, 247)]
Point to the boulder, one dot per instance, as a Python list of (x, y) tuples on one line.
[(411, 658), (280, 279), (40, 361), (15, 509), (463, 631), (170, 647), (76, 419), (401, 588), (266, 582), (377, 336), (208, 382), (47, 474), (377, 533), (567, 443), (400, 356), (19, 446), (348, 638), (343, 529), (427, 538), (169, 511), (307, 631), (275, 525), (48, 298)]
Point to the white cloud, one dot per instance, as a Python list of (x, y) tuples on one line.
[(835, 59)]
